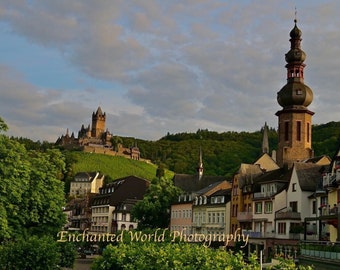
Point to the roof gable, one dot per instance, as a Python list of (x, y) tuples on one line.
[(308, 174), (191, 183)]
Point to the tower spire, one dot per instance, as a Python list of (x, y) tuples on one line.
[(200, 165), (265, 142), (295, 120)]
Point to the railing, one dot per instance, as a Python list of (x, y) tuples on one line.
[(253, 234), (288, 215), (328, 211), (321, 250), (259, 195), (244, 216)]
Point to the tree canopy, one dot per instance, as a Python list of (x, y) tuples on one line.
[(31, 193), (154, 210)]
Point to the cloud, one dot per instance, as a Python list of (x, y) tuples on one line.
[(164, 66)]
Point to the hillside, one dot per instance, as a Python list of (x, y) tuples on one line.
[(223, 152), (111, 166)]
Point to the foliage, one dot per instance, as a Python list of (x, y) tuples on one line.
[(169, 256), (68, 254), (33, 145), (154, 210), (289, 264), (113, 166), (160, 172), (115, 141), (223, 152), (3, 125), (32, 253), (31, 193), (174, 256)]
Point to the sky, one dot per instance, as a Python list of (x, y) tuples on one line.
[(160, 66)]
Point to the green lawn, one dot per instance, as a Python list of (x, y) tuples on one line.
[(114, 166)]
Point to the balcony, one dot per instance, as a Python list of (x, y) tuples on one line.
[(253, 234), (329, 180), (288, 215), (262, 195), (244, 216)]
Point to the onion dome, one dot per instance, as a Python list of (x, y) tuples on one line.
[(295, 92)]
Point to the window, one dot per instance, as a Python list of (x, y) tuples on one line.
[(268, 207), (235, 190), (286, 131), (314, 207), (294, 187), (298, 130), (293, 206), (282, 228), (258, 207), (308, 133)]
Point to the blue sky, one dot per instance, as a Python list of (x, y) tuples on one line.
[(160, 66)]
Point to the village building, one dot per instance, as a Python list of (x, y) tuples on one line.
[(111, 208), (273, 198), (211, 210), (86, 182), (193, 186)]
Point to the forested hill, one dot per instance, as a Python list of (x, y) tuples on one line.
[(224, 152)]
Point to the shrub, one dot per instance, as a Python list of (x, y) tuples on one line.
[(169, 256), (33, 253)]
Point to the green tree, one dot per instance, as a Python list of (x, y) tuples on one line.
[(3, 126), (154, 210), (14, 183), (38, 253), (31, 192), (45, 197), (116, 140), (160, 172)]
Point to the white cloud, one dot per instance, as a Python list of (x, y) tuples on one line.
[(174, 66)]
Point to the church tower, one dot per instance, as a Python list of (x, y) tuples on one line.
[(98, 123), (200, 166), (265, 140), (295, 120)]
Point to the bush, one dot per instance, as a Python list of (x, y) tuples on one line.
[(36, 253), (68, 254), (169, 256), (33, 253)]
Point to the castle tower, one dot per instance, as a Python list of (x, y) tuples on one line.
[(98, 123), (295, 120)]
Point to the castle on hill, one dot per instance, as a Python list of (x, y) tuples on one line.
[(97, 139)]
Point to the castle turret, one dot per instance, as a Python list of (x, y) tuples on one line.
[(98, 123)]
